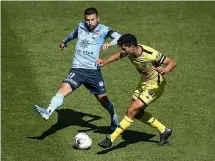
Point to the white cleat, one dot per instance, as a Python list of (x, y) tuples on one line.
[(42, 112)]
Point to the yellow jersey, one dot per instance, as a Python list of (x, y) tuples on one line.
[(146, 62)]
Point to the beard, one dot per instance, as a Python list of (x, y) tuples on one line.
[(91, 27)]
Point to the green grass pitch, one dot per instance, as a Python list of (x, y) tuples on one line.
[(32, 69)]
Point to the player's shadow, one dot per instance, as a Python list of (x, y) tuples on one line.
[(130, 137), (69, 117)]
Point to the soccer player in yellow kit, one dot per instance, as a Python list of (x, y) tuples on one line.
[(151, 86)]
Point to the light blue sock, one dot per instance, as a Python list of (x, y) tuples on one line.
[(56, 101)]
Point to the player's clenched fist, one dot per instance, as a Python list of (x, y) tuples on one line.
[(160, 70), (100, 62)]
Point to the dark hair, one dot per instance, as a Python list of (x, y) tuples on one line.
[(90, 11), (127, 40)]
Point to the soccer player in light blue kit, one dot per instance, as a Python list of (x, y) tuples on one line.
[(90, 39)]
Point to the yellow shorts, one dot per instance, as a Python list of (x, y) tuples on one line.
[(148, 92)]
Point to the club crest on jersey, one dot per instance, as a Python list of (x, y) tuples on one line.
[(95, 34)]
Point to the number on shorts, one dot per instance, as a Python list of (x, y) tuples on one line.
[(71, 75)]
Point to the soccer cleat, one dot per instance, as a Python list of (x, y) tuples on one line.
[(106, 143), (42, 112), (114, 122), (164, 136)]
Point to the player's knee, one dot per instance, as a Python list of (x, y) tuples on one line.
[(103, 99), (65, 89), (134, 110)]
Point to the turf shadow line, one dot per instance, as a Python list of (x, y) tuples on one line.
[(130, 137), (67, 118)]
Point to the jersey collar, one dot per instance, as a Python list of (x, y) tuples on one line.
[(141, 51)]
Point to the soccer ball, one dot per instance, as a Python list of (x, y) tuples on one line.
[(83, 141)]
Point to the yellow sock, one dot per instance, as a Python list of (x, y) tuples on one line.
[(147, 118), (123, 125)]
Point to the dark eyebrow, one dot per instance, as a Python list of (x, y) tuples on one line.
[(90, 19)]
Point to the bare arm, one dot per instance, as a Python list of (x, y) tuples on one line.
[(116, 56), (170, 65)]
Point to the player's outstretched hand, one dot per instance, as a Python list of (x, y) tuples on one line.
[(100, 62), (106, 46)]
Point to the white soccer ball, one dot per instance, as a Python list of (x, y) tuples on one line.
[(83, 141)]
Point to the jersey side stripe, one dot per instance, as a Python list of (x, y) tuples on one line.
[(110, 33), (162, 59), (158, 79)]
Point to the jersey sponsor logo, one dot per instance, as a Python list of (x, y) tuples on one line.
[(87, 52), (95, 34), (84, 43), (78, 51)]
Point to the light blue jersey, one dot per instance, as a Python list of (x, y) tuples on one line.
[(89, 44)]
